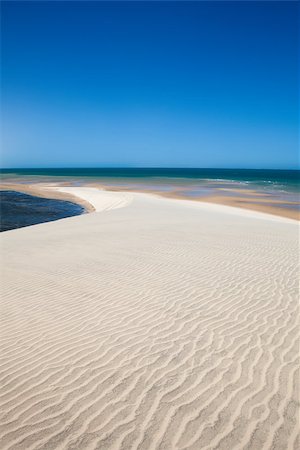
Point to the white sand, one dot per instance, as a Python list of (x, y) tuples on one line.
[(162, 324), (100, 200)]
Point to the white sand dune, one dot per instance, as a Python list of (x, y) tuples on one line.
[(163, 324), (100, 200)]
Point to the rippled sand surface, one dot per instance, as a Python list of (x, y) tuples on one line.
[(154, 324)]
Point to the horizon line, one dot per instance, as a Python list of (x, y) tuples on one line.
[(142, 168)]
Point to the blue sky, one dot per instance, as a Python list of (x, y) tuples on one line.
[(157, 84)]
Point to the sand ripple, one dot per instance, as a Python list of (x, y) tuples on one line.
[(156, 326)]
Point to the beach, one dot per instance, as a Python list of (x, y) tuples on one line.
[(150, 323), (234, 195)]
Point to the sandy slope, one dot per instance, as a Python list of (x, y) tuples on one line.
[(156, 325), (99, 200)]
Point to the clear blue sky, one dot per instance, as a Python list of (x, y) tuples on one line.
[(169, 84)]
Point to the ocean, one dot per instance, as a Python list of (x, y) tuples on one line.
[(286, 180)]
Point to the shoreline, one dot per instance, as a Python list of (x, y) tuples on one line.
[(45, 192), (63, 191)]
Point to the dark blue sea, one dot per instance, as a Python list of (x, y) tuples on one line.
[(21, 210)]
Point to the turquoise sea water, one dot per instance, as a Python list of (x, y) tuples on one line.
[(278, 179), (290, 179)]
